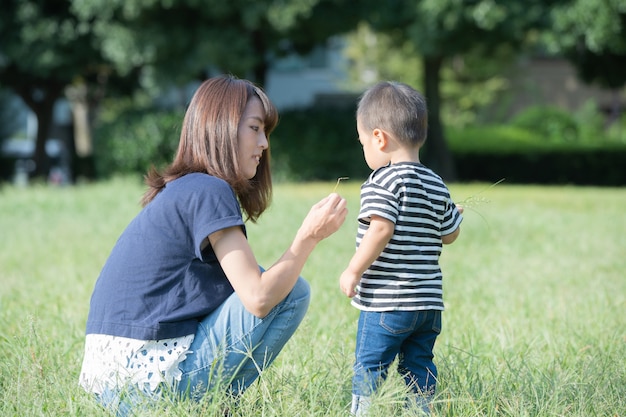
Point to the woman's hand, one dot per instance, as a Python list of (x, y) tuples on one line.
[(324, 218), (260, 292)]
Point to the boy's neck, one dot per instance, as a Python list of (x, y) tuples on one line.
[(405, 155)]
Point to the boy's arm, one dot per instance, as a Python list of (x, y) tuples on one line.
[(449, 238), (372, 244)]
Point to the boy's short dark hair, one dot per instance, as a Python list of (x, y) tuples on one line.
[(396, 108)]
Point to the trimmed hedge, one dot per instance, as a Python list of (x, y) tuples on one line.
[(317, 144), (605, 167), (7, 167), (130, 141), (321, 144), (494, 152)]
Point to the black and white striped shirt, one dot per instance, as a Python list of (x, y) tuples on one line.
[(406, 275)]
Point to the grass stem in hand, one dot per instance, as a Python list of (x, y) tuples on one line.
[(338, 181)]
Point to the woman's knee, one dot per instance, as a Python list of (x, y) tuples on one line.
[(297, 302), (301, 291)]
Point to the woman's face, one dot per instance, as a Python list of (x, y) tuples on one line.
[(251, 137)]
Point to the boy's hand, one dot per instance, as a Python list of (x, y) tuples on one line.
[(348, 282)]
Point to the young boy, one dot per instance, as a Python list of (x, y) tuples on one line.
[(394, 277)]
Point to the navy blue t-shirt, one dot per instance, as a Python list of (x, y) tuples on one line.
[(157, 282)]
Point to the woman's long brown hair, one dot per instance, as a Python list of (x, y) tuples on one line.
[(208, 143)]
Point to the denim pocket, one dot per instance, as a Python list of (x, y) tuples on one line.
[(398, 322), (436, 321)]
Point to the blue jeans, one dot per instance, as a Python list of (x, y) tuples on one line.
[(232, 346), (383, 336)]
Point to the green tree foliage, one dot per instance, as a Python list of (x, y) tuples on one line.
[(440, 30), (47, 46), (44, 49), (133, 138), (551, 123), (469, 83), (592, 35), (178, 40)]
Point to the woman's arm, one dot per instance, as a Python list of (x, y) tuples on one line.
[(260, 292)]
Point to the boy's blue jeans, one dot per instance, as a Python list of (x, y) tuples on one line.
[(383, 336)]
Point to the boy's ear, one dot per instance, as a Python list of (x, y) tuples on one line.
[(380, 138)]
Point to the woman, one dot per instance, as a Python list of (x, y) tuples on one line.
[(181, 303)]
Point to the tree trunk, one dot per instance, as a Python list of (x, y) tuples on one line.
[(437, 154), (260, 73), (84, 164), (260, 68), (41, 101)]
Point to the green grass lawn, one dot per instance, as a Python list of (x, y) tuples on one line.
[(535, 293)]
